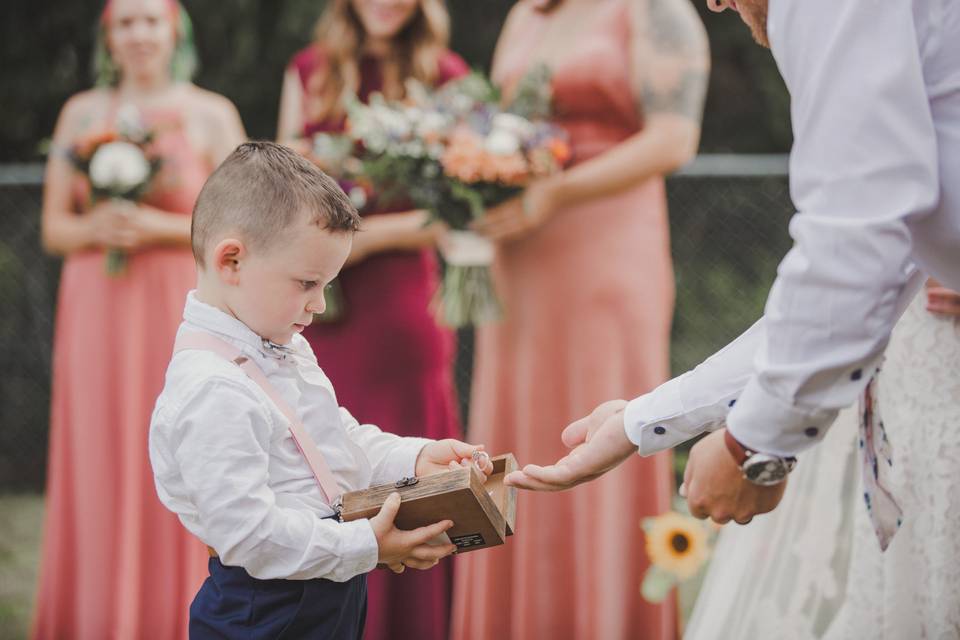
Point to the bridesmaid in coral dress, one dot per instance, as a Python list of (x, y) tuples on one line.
[(585, 275), (115, 563), (389, 360)]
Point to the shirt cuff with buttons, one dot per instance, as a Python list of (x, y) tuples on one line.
[(695, 402), (659, 420), (763, 422)]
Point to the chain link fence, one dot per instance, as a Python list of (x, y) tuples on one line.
[(28, 284), (728, 219)]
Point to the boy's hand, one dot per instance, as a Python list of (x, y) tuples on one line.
[(444, 455), (400, 549)]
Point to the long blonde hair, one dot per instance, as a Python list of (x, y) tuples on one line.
[(416, 54)]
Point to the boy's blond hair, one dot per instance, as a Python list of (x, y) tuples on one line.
[(259, 192)]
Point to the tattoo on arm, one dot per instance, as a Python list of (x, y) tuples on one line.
[(684, 96), (675, 71)]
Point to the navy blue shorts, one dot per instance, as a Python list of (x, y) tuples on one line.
[(232, 604)]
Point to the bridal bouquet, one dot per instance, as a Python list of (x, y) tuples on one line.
[(455, 153), (119, 165)]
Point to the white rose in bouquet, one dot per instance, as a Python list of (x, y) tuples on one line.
[(462, 103), (432, 123), (520, 127), (501, 142), (412, 148), (119, 167), (394, 123)]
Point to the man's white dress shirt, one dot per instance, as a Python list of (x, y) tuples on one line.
[(875, 176), (225, 462)]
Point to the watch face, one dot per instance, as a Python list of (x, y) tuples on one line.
[(766, 470)]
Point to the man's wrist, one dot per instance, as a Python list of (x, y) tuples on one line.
[(658, 421), (737, 450), (759, 468)]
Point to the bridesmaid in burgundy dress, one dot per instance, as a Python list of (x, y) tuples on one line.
[(391, 363)]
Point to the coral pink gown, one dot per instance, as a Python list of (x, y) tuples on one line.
[(588, 301), (391, 365), (115, 562)]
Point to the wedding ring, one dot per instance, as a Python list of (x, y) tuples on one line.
[(479, 455)]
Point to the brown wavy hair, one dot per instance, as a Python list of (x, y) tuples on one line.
[(339, 34)]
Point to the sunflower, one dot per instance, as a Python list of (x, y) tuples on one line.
[(676, 543)]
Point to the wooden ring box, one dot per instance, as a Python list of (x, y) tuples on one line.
[(483, 512)]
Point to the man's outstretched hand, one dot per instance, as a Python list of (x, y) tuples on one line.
[(598, 444), (715, 488)]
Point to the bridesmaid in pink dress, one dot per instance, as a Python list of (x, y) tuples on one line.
[(585, 275), (389, 360), (115, 563)]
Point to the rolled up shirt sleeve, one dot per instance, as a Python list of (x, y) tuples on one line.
[(221, 445), (864, 162)]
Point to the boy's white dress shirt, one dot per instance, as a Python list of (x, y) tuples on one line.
[(225, 462), (875, 175)]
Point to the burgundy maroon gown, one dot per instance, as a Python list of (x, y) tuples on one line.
[(391, 365)]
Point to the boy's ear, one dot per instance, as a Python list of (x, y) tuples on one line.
[(227, 256)]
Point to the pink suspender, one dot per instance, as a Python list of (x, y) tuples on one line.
[(207, 342)]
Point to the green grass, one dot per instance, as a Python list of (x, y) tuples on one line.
[(21, 518)]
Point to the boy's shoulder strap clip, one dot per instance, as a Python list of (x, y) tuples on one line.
[(198, 340)]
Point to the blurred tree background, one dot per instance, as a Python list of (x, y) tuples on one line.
[(244, 45)]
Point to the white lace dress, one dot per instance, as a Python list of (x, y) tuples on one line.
[(813, 568)]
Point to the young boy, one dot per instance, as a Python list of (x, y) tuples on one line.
[(248, 445)]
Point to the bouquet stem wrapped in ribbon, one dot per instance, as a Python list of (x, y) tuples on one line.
[(455, 152), (467, 294)]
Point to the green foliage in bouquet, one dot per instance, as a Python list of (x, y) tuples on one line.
[(533, 98)]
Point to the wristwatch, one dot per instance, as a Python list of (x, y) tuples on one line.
[(759, 468)]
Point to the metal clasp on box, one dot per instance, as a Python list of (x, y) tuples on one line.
[(406, 482)]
